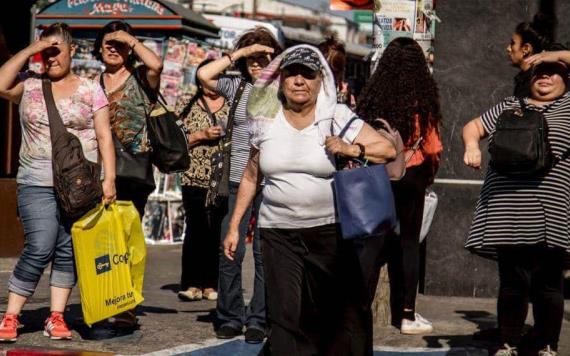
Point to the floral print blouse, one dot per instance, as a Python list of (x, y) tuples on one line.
[(200, 171), (77, 113)]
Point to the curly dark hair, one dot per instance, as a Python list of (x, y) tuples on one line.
[(401, 87), (258, 35)]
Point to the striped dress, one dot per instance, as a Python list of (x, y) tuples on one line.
[(525, 211)]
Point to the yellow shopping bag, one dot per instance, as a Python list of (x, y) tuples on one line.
[(136, 245), (109, 259)]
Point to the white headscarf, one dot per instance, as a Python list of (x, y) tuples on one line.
[(264, 104)]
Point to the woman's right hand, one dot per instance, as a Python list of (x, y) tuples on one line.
[(213, 133), (40, 45), (231, 243), (472, 157), (252, 50)]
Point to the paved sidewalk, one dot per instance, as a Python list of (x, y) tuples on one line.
[(168, 323)]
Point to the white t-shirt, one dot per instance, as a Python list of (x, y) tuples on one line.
[(298, 174)]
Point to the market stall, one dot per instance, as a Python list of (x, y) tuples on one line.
[(176, 34)]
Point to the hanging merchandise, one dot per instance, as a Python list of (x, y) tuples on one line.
[(163, 221), (404, 18)]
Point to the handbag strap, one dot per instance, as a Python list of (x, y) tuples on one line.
[(211, 115), (231, 115), (56, 126), (345, 128), (102, 83)]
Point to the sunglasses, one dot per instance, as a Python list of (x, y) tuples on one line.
[(295, 70), (116, 44), (50, 52), (550, 69)]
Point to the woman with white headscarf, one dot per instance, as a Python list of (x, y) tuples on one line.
[(293, 117)]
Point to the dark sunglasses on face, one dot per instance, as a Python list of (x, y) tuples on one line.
[(296, 70), (261, 59), (550, 69), (50, 52), (116, 44)]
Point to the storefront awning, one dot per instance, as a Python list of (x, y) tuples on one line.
[(159, 15)]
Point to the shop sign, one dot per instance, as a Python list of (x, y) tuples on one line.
[(108, 7)]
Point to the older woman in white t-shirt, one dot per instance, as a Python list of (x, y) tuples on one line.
[(293, 115)]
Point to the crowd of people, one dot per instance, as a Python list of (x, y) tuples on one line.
[(264, 146)]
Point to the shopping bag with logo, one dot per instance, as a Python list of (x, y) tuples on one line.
[(136, 244), (103, 263)]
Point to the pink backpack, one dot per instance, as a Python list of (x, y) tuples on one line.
[(397, 168)]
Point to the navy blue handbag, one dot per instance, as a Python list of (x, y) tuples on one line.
[(364, 200)]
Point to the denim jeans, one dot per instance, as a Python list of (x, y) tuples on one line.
[(47, 239), (231, 310)]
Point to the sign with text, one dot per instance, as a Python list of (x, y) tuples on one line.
[(124, 8)]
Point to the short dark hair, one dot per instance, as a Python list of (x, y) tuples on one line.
[(334, 52), (111, 27), (258, 35), (539, 33), (58, 29)]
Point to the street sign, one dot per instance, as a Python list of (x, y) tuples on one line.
[(362, 16)]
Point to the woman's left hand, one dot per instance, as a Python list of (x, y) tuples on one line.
[(336, 146), (543, 57), (123, 37), (109, 191)]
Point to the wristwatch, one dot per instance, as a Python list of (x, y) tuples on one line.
[(362, 150)]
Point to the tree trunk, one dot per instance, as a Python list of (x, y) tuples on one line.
[(381, 305)]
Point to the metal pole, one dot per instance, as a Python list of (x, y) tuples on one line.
[(33, 11), (254, 10)]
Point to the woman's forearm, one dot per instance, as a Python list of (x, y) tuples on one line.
[(379, 152), (208, 74), (473, 132), (9, 72), (105, 143), (377, 148), (247, 191), (195, 138), (152, 62)]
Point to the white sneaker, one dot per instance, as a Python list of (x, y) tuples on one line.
[(416, 327), (422, 319), (547, 352), (507, 350)]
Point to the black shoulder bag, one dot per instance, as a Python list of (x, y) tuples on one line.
[(520, 146), (220, 180), (166, 134), (76, 180), (128, 165)]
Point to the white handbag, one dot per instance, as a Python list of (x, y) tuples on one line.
[(430, 205)]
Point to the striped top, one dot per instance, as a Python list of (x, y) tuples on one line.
[(228, 86), (527, 211)]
